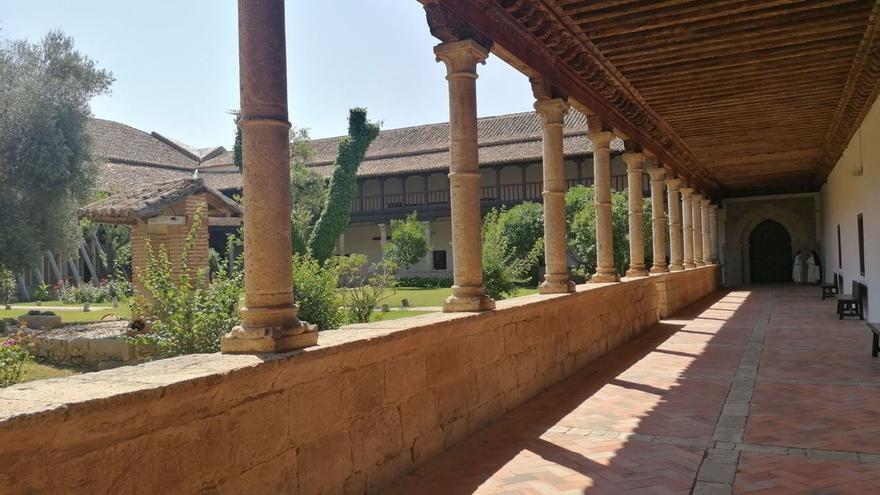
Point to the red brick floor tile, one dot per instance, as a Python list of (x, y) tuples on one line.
[(796, 475), (830, 417)]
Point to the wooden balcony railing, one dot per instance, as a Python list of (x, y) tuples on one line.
[(505, 194)]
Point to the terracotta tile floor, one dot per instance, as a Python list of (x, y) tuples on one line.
[(649, 417)]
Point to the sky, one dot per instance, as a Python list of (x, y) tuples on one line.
[(176, 63)]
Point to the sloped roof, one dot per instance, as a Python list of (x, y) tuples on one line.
[(148, 201), (119, 143)]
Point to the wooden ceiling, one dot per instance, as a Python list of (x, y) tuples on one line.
[(738, 96)]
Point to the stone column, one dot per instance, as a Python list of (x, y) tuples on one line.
[(552, 112), (687, 227), (713, 232), (658, 218), (341, 251), (634, 167), (461, 59), (697, 211), (269, 315), (383, 236), (676, 258), (707, 233), (428, 260), (601, 144)]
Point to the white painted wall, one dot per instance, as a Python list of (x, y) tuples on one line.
[(853, 187)]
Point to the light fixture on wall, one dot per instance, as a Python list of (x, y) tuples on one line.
[(860, 169)]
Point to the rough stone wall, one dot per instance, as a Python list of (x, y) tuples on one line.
[(173, 237), (796, 212), (360, 410)]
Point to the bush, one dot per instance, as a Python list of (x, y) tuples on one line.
[(503, 270), (408, 243), (37, 312), (42, 292), (315, 291), (365, 288), (425, 282), (107, 290), (13, 355), (188, 313)]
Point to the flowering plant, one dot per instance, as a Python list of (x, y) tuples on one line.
[(13, 355), (114, 289)]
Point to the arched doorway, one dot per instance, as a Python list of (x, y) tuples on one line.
[(770, 253)]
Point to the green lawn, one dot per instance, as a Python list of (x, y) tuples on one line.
[(59, 303), (74, 315), (432, 297), (37, 371)]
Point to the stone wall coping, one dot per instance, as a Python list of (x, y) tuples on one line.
[(79, 394)]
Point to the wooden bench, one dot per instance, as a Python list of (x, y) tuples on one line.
[(832, 289), (852, 304), (875, 344)]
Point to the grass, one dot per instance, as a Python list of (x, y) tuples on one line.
[(74, 315), (58, 303), (32, 371), (433, 297)]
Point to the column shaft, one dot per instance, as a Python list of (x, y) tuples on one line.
[(634, 168), (552, 112), (461, 59), (605, 270), (658, 220), (428, 255), (269, 315), (697, 211), (707, 232), (676, 258), (687, 227), (713, 229)]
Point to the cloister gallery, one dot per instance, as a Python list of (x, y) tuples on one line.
[(756, 125)]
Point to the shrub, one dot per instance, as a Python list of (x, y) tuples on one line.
[(365, 288), (42, 292), (408, 243), (107, 290), (425, 282), (315, 291), (13, 355), (503, 270), (37, 312), (188, 313)]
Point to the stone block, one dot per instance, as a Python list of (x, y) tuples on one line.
[(406, 377), (364, 388), (427, 446), (455, 399), (324, 464), (260, 429), (418, 415), (317, 409), (375, 438)]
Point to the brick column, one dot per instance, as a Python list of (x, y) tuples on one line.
[(461, 59), (658, 218), (697, 211), (687, 227), (552, 112), (601, 144), (634, 167), (269, 315), (676, 258)]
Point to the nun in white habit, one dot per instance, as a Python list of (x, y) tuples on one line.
[(797, 270)]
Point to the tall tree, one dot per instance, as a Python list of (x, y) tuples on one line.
[(408, 242), (336, 214), (45, 89)]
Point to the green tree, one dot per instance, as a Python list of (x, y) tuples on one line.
[(237, 159), (308, 190), (316, 293), (523, 227), (45, 172), (408, 243), (580, 212), (504, 270), (336, 213)]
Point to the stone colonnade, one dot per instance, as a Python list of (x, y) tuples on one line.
[(270, 322)]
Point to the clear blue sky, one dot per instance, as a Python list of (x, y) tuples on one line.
[(176, 63)]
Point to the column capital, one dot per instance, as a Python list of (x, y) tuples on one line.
[(658, 174), (706, 202), (552, 111), (673, 184), (713, 206), (634, 161), (461, 57), (686, 191), (696, 197), (600, 140)]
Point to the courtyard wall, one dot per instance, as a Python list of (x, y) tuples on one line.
[(363, 408)]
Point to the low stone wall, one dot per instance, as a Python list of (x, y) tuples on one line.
[(364, 407), (92, 345)]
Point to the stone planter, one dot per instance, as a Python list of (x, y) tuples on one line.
[(40, 322)]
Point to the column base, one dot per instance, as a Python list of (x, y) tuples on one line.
[(267, 340), (700, 263), (636, 272), (466, 304), (688, 266), (659, 269), (556, 287), (604, 278), (676, 267)]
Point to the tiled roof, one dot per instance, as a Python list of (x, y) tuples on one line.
[(148, 200), (502, 139), (119, 143)]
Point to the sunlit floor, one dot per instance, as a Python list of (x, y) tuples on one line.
[(760, 390)]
